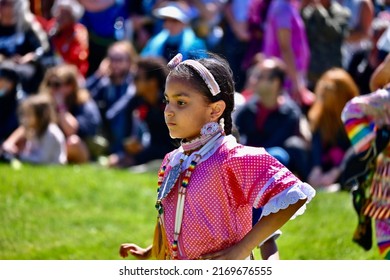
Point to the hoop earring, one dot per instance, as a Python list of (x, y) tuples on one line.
[(210, 128)]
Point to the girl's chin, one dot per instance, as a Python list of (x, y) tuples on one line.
[(177, 136), (174, 136)]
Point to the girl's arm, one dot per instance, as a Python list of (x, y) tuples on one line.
[(264, 228), (10, 145)]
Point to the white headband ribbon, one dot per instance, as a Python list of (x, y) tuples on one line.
[(198, 67)]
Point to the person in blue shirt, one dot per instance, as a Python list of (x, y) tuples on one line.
[(112, 87), (147, 136), (176, 35)]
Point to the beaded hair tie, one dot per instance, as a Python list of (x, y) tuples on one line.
[(205, 74)]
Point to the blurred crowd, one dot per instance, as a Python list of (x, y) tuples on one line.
[(83, 81)]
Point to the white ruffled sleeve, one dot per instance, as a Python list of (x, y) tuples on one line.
[(290, 196)]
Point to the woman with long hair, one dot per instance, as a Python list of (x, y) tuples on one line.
[(78, 114), (330, 142)]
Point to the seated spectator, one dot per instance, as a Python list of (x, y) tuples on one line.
[(78, 114), (23, 40), (146, 109), (251, 79), (112, 87), (44, 142), (207, 16), (330, 142), (271, 119), (177, 34), (68, 37), (9, 99)]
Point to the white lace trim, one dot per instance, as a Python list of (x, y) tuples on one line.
[(288, 197)]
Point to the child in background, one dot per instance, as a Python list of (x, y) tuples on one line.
[(44, 141), (209, 185)]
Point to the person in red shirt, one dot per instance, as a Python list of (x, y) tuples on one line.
[(68, 37)]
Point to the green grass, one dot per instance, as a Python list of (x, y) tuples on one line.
[(86, 212)]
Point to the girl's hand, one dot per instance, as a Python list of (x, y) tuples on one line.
[(134, 250), (234, 252), (10, 148)]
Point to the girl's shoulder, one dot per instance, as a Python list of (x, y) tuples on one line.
[(232, 151)]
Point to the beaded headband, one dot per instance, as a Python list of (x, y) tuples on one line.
[(200, 69)]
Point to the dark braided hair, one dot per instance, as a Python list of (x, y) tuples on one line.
[(220, 69)]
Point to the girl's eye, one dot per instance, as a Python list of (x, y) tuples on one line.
[(181, 103), (165, 101)]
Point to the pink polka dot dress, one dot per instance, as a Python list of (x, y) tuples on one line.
[(223, 188)]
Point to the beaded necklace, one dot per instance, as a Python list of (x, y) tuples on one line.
[(166, 184)]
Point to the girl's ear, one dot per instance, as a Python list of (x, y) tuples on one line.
[(217, 109)]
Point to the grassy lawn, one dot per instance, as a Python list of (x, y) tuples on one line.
[(86, 212)]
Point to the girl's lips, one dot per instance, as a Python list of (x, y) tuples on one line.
[(170, 124)]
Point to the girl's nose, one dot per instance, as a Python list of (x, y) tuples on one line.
[(168, 111)]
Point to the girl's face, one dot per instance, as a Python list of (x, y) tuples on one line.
[(28, 119), (186, 110)]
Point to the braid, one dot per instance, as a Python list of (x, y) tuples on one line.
[(228, 122)]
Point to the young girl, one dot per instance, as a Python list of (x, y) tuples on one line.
[(44, 141), (208, 186)]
